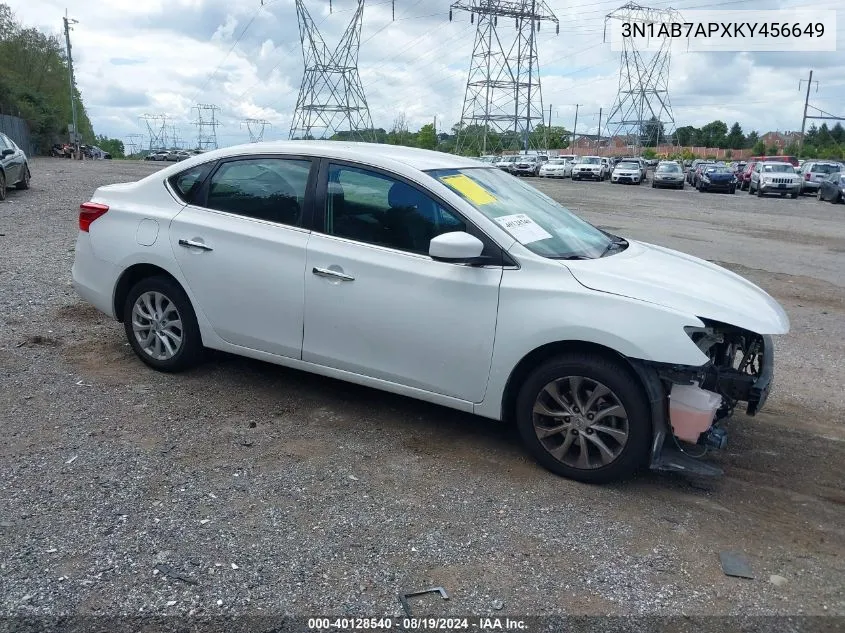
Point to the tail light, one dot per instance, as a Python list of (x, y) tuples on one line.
[(807, 176), (89, 212)]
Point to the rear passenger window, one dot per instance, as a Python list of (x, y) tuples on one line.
[(271, 189), (188, 182)]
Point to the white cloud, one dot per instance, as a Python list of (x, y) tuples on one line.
[(134, 57)]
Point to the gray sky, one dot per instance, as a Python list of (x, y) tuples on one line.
[(162, 56)]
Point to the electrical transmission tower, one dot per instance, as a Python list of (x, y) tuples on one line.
[(156, 129), (206, 125), (331, 98), (503, 101), (133, 143), (255, 127), (642, 111)]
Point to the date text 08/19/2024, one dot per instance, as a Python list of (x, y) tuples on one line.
[(417, 624)]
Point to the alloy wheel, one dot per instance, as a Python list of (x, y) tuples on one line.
[(580, 422), (157, 325)]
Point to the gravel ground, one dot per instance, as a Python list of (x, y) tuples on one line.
[(268, 491)]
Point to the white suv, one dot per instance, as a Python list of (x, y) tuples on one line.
[(774, 177), (812, 172), (435, 277), (591, 168)]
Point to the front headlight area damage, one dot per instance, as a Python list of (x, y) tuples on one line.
[(689, 404)]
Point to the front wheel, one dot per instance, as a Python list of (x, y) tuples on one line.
[(759, 191), (24, 182), (161, 326), (585, 417), (794, 196)]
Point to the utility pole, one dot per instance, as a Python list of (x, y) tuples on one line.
[(75, 138), (548, 126), (575, 127), (598, 140), (806, 104)]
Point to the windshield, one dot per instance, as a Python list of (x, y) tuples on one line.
[(669, 167), (532, 218), (718, 170), (819, 168), (591, 160), (780, 168), (557, 162), (628, 166)]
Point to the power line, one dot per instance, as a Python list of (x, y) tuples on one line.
[(503, 100), (331, 94), (255, 128)]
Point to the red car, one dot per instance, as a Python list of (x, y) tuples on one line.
[(745, 177), (792, 160)]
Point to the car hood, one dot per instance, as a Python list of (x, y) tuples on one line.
[(685, 283), (720, 176)]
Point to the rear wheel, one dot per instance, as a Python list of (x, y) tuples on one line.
[(161, 326), (2, 186), (584, 417), (24, 182)]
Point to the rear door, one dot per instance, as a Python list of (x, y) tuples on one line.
[(241, 244), (10, 163)]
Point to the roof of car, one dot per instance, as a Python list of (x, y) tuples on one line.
[(375, 154)]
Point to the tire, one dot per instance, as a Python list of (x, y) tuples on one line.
[(627, 436), (732, 190), (759, 191), (2, 186), (750, 190), (189, 351), (819, 195), (653, 186), (794, 196), (24, 182)]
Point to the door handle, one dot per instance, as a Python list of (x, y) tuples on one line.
[(325, 272), (195, 244)]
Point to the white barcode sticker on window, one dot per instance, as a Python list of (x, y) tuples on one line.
[(524, 229)]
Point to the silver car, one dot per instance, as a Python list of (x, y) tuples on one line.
[(668, 174), (814, 171)]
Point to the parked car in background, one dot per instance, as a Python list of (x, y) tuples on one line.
[(690, 173), (159, 155), (177, 155), (668, 174), (14, 166), (696, 174), (506, 162), (526, 166), (556, 168), (627, 172), (744, 178), (832, 188), (813, 172), (717, 178), (774, 177), (431, 276), (792, 160), (590, 168)]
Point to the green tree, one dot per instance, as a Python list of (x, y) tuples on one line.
[(735, 138), (714, 134), (427, 137), (729, 154), (111, 145), (837, 132), (759, 149), (649, 153), (685, 136), (791, 149), (652, 132), (772, 150), (752, 139), (34, 80)]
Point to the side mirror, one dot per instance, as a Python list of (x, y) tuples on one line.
[(456, 247), (8, 151)]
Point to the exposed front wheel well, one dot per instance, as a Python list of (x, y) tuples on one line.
[(129, 278), (535, 358)]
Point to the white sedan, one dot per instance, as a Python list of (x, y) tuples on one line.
[(438, 277), (556, 168)]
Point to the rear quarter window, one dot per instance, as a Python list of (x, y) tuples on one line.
[(187, 183)]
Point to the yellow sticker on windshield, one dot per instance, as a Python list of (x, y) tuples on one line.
[(470, 189)]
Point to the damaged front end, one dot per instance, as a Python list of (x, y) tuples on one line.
[(739, 370)]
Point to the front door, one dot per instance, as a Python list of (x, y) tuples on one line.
[(376, 304), (241, 249)]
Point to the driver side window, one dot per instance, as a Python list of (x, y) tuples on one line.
[(370, 207)]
